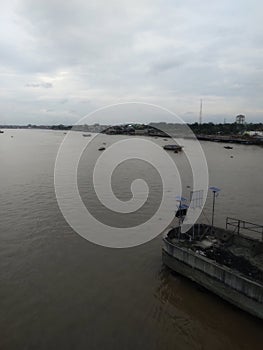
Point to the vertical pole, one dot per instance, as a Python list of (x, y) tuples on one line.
[(180, 219), (200, 115), (213, 211)]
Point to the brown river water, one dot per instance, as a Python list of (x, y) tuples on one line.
[(59, 291)]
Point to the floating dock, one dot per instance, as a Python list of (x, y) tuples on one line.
[(224, 262)]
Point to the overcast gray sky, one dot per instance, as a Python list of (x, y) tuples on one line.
[(59, 59)]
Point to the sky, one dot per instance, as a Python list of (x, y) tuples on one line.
[(60, 60)]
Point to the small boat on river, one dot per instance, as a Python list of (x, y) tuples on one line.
[(175, 148)]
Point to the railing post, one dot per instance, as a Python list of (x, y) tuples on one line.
[(238, 227)]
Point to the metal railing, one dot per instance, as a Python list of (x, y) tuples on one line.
[(240, 225)]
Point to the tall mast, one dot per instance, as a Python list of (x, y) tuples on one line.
[(201, 110)]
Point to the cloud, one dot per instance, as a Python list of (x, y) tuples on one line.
[(40, 85), (170, 53)]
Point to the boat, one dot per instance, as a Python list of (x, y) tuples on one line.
[(101, 149), (175, 148), (1, 131), (228, 147), (86, 135), (223, 261)]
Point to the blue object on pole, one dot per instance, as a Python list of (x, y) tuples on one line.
[(183, 206), (181, 199), (214, 189)]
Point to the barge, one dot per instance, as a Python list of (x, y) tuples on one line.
[(223, 261), (175, 148)]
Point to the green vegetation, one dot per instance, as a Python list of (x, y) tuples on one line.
[(224, 129)]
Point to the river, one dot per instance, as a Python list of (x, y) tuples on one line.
[(59, 291)]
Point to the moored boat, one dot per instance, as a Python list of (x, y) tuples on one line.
[(173, 148)]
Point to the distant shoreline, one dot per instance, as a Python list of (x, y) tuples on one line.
[(225, 133)]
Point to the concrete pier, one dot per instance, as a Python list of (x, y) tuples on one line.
[(223, 281)]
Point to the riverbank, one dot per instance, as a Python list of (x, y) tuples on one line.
[(231, 139)]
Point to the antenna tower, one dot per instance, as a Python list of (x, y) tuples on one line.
[(201, 111)]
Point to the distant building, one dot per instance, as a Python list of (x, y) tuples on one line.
[(141, 132), (256, 133)]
